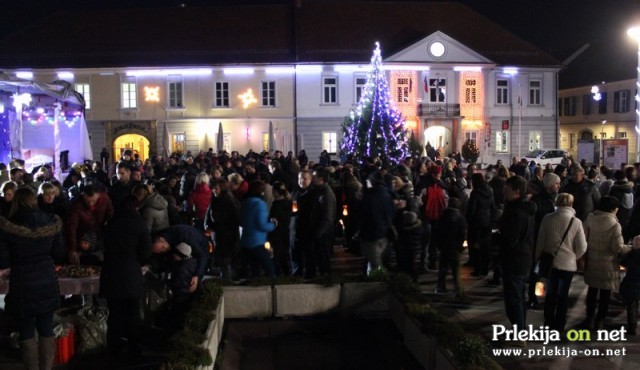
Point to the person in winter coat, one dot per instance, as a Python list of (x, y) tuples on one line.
[(255, 226), (552, 229), (50, 202), (630, 285), (376, 218), (237, 185), (127, 248), (182, 268), (223, 218), (34, 242), (602, 270), (279, 237), (323, 217), (479, 211), (8, 190), (352, 198), (450, 234), (622, 189), (585, 193), (88, 212), (199, 199), (153, 208), (408, 245), (516, 247)]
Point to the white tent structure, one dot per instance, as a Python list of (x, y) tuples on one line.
[(44, 121)]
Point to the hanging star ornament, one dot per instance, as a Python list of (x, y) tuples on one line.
[(152, 94), (247, 98)]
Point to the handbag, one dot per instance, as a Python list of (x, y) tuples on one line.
[(545, 263)]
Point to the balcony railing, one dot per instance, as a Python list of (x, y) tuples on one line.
[(438, 110)]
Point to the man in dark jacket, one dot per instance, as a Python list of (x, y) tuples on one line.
[(127, 248), (449, 234), (323, 216), (223, 217), (585, 193), (300, 226), (122, 185), (377, 213), (166, 240), (516, 247)]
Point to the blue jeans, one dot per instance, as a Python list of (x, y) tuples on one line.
[(556, 301), (514, 301)]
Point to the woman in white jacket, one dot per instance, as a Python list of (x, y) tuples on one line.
[(552, 229), (602, 271)]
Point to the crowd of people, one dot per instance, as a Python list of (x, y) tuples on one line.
[(245, 216)]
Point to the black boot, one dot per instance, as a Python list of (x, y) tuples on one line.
[(632, 317)]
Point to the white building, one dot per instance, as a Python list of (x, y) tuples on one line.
[(460, 78)]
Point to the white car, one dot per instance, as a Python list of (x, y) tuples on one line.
[(544, 156)]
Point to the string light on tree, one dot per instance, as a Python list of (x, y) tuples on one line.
[(375, 127)]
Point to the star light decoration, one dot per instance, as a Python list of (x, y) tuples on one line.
[(247, 98), (375, 127), (152, 94)]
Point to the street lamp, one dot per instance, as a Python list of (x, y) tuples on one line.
[(634, 32)]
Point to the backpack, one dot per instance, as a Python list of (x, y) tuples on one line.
[(434, 204)]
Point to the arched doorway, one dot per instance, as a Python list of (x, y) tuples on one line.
[(438, 137), (137, 143)]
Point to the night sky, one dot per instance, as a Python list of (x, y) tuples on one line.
[(559, 27)]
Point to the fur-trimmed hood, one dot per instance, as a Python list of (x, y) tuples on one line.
[(38, 225)]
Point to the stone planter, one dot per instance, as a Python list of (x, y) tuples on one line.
[(444, 360), (364, 298), (396, 311), (306, 299), (214, 334), (422, 346), (248, 302)]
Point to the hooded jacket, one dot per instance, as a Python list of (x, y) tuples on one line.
[(605, 244), (516, 236), (155, 212), (34, 242)]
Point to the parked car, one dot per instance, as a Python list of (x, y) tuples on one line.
[(544, 156)]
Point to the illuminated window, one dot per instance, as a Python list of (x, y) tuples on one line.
[(175, 91), (535, 140), (402, 90), (502, 141), (83, 89), (437, 90), (330, 142), (129, 94), (621, 101), (265, 141), (361, 82), (471, 135), (268, 93), (330, 90), (178, 142), (535, 92), (222, 94), (502, 91)]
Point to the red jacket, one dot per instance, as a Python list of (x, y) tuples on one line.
[(200, 198), (82, 219)]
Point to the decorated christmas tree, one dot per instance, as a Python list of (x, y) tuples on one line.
[(375, 127)]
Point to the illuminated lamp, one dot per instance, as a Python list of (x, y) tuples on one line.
[(238, 71), (247, 99), (152, 94), (510, 70), (65, 75), (24, 75), (467, 69), (21, 99)]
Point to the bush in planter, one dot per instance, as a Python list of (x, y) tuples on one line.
[(186, 345), (471, 352)]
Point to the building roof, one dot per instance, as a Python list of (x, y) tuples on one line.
[(318, 31)]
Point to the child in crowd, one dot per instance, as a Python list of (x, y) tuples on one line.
[(409, 244), (630, 286), (182, 268), (91, 252)]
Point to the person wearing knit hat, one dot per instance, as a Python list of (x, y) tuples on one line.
[(183, 250), (545, 204), (91, 251)]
